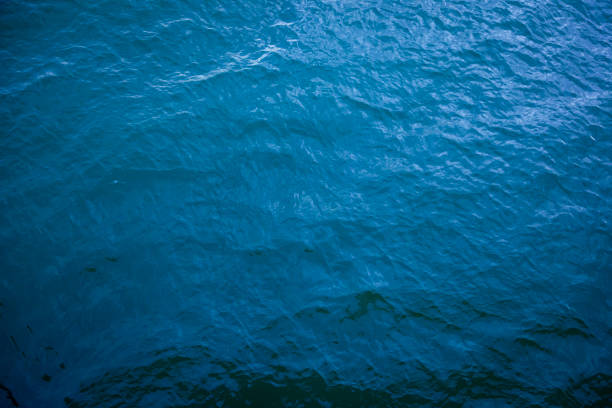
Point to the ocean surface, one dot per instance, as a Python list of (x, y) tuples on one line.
[(289, 203)]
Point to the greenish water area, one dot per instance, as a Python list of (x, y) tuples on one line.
[(322, 203)]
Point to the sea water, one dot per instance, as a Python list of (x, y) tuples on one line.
[(305, 203)]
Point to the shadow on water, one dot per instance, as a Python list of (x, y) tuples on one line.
[(189, 378), (279, 372)]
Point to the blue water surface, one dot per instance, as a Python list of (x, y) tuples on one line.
[(305, 203)]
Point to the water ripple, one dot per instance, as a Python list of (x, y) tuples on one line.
[(305, 203)]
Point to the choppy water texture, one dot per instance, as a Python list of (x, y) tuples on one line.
[(305, 203)]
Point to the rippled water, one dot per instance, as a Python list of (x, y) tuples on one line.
[(305, 203)]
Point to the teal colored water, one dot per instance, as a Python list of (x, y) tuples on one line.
[(305, 203)]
